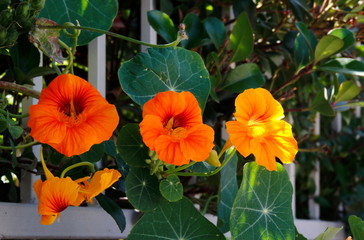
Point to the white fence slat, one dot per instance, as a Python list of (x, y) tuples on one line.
[(97, 64), (147, 32)]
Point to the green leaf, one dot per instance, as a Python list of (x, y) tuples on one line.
[(194, 31), (113, 209), (241, 39), (227, 191), (327, 46), (142, 189), (263, 205), (242, 77), (90, 13), (329, 233), (344, 34), (344, 66), (162, 24), (110, 149), (175, 221), (165, 70), (300, 11), (305, 44), (15, 131), (321, 104), (347, 91), (201, 167), (353, 104), (171, 188), (40, 71), (94, 154), (308, 35), (131, 147), (215, 28), (356, 227), (24, 55), (299, 236)]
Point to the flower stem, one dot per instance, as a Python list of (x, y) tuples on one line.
[(19, 88), (12, 115), (168, 172), (19, 146), (204, 211), (88, 164), (207, 174), (172, 44)]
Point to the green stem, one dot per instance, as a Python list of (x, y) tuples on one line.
[(19, 146), (70, 57), (14, 115), (207, 204), (56, 68), (88, 164), (156, 167), (172, 44), (207, 174), (168, 172), (19, 88)]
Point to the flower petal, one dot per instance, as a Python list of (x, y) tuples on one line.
[(263, 154), (169, 151), (151, 128), (239, 137)]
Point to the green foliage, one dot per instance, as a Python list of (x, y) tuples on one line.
[(263, 205), (241, 38), (171, 188), (356, 227), (162, 24), (329, 233)]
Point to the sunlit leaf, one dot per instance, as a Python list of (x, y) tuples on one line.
[(89, 13), (171, 188), (263, 205), (356, 227), (131, 146), (142, 189), (344, 66), (165, 70), (327, 46), (175, 221), (329, 233), (242, 77), (347, 91), (346, 35), (241, 38), (162, 24), (227, 191)]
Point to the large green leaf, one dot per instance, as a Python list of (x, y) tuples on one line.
[(165, 70), (344, 66), (162, 24), (242, 77), (329, 233), (263, 205), (175, 221), (113, 209), (227, 191), (131, 147), (347, 91), (305, 44), (142, 189), (327, 46), (194, 31), (241, 38), (90, 13), (344, 34), (321, 104), (171, 188), (356, 227), (215, 28)]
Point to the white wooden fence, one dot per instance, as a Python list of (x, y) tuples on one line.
[(21, 220)]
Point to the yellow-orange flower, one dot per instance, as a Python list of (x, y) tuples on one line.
[(260, 130), (71, 116), (172, 127), (100, 181)]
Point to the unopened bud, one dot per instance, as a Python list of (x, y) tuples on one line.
[(182, 27), (213, 159)]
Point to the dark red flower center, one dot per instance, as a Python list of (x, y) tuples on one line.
[(72, 108)]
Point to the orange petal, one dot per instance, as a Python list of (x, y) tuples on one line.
[(48, 219), (264, 156), (238, 135), (198, 143), (151, 128), (169, 151)]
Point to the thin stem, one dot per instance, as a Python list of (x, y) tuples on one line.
[(88, 164), (56, 68), (168, 172), (70, 57), (208, 203), (207, 174), (14, 115), (19, 88), (172, 44), (19, 146), (156, 167)]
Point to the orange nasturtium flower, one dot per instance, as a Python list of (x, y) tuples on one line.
[(260, 130), (56, 194), (172, 127), (71, 116)]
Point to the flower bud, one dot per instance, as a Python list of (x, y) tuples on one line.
[(22, 12), (213, 159)]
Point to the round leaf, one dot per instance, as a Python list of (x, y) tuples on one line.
[(90, 13), (327, 46), (165, 70), (263, 205), (94, 154), (244, 76), (175, 221), (171, 188), (142, 189), (131, 146), (162, 24)]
